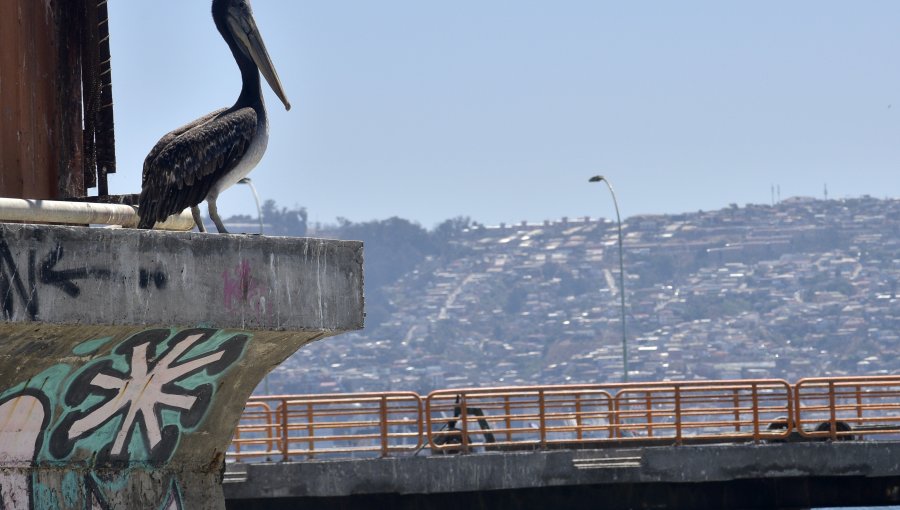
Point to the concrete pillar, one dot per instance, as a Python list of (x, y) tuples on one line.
[(126, 356)]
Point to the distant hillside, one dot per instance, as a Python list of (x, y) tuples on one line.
[(803, 288)]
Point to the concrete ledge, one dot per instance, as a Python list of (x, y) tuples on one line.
[(125, 277), (756, 494), (126, 356), (436, 475)]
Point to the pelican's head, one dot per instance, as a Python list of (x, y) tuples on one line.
[(234, 19)]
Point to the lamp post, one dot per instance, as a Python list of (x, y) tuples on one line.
[(248, 182), (599, 178)]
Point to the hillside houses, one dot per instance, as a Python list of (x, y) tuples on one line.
[(803, 288)]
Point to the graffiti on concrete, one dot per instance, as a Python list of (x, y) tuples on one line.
[(127, 394), (173, 498), (18, 285), (96, 499), (65, 279), (22, 418), (157, 277), (141, 391), (130, 403), (243, 291), (11, 283)]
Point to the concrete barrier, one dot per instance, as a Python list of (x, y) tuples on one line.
[(725, 476), (126, 356)]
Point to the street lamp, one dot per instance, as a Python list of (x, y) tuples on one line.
[(599, 178), (248, 182)]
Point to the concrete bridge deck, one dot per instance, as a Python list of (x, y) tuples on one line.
[(779, 475)]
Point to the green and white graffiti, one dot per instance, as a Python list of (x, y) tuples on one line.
[(128, 407)]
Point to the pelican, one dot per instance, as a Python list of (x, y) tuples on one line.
[(198, 161)]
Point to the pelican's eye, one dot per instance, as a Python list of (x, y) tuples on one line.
[(242, 16)]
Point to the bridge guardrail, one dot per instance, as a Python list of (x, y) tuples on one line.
[(847, 407), (738, 410), (535, 416), (295, 427), (322, 426), (577, 416)]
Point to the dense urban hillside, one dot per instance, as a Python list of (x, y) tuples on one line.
[(803, 288)]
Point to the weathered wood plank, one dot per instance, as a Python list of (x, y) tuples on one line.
[(40, 99)]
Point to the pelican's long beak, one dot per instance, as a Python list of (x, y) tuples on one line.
[(244, 26)]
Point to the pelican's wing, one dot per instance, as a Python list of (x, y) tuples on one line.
[(167, 139), (180, 172)]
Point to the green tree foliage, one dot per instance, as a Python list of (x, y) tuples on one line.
[(393, 247), (284, 221), (452, 228)]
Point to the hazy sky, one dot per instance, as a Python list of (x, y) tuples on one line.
[(501, 109)]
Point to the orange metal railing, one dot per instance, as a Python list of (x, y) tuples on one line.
[(576, 416), (848, 407), (572, 416), (501, 418), (306, 426), (739, 410)]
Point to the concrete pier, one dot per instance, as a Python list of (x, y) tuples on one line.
[(126, 356), (713, 477)]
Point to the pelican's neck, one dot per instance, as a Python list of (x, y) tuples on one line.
[(251, 91)]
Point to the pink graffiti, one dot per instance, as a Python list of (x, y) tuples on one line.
[(242, 290)]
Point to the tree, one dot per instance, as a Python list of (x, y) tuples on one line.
[(284, 221), (452, 228)]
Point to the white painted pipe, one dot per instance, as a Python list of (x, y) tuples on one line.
[(84, 213)]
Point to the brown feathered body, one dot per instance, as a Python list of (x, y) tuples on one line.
[(198, 161)]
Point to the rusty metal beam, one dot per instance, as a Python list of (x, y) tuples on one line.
[(42, 145)]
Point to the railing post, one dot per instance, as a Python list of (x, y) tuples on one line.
[(833, 406), (508, 412), (613, 415), (464, 423), (271, 428), (648, 404), (677, 414), (736, 401), (310, 429), (384, 426), (285, 451), (755, 400), (543, 419), (420, 423), (426, 418), (859, 407), (792, 417), (578, 433)]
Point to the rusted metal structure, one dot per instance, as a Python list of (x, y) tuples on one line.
[(297, 427), (56, 120), (292, 426)]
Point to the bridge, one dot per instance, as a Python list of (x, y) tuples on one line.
[(763, 443)]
